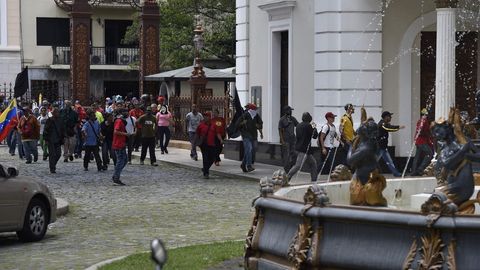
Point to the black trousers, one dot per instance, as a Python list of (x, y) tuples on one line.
[(54, 154), (107, 153), (92, 149), (130, 147), (164, 136), (150, 144), (138, 140), (208, 157), (218, 151)]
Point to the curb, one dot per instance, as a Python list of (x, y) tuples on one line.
[(103, 263), (62, 207)]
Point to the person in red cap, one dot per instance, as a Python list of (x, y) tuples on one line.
[(328, 142), (220, 124), (207, 133), (248, 124)]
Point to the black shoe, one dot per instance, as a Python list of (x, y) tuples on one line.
[(76, 156), (250, 169), (53, 171), (71, 158), (195, 158), (28, 162), (12, 154), (163, 152), (35, 159), (244, 169), (65, 160), (154, 164), (105, 167), (44, 157), (118, 182), (85, 169), (166, 151)]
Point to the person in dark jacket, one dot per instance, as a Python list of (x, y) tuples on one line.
[(54, 134), (248, 124), (106, 129), (384, 127), (305, 132), (70, 121)]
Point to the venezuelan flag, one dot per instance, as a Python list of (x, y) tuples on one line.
[(8, 119)]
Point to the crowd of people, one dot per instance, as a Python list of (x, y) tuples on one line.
[(335, 144), (106, 134)]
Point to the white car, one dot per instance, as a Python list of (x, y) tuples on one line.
[(26, 207)]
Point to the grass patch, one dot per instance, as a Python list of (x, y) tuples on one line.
[(192, 257)]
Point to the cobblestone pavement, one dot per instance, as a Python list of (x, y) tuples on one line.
[(107, 221)]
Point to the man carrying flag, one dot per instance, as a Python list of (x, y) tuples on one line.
[(8, 119)]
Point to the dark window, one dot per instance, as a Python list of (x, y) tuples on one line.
[(53, 31), (115, 31)]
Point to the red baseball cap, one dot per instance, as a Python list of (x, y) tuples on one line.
[(251, 106), (160, 99), (330, 114)]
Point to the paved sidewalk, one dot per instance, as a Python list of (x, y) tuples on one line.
[(228, 167)]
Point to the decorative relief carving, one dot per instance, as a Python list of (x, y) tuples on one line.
[(300, 244), (446, 3), (80, 61), (431, 252), (407, 264), (151, 50)]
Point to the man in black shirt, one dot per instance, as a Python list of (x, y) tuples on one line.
[(286, 131), (106, 129), (305, 133), (384, 127)]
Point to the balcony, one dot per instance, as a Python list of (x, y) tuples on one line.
[(116, 3), (100, 56)]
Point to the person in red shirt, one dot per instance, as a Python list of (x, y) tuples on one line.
[(424, 145), (207, 133), (220, 124), (119, 145)]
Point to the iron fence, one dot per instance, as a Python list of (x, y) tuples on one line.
[(181, 106), (100, 56), (50, 90)]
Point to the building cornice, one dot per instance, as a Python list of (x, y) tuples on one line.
[(278, 9), (446, 3)]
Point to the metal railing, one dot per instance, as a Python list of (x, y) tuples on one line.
[(100, 56)]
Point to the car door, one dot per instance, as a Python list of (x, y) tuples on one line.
[(11, 202)]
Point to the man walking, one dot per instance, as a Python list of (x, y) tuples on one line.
[(286, 131), (328, 142), (423, 144), (131, 130), (29, 129), (347, 133), (42, 119), (220, 124), (209, 133), (193, 119), (70, 120), (54, 134), (148, 124), (119, 145), (384, 127), (92, 138), (305, 133), (106, 129), (248, 124)]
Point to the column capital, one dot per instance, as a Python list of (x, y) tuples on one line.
[(446, 3)]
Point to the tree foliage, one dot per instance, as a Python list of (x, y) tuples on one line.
[(178, 18)]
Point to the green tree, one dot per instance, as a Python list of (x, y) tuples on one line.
[(178, 18)]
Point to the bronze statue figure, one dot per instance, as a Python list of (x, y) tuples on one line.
[(367, 183)]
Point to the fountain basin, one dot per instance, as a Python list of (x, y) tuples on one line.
[(288, 233)]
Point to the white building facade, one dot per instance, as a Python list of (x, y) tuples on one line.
[(10, 57), (318, 55)]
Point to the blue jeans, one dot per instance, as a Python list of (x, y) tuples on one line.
[(30, 148), (121, 155), (383, 153), (193, 151), (247, 151), (12, 141), (21, 151)]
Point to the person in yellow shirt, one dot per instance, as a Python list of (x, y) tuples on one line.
[(347, 133)]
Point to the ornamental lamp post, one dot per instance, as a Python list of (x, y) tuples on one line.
[(197, 80)]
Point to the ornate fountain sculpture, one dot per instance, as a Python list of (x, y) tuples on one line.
[(454, 167), (367, 184)]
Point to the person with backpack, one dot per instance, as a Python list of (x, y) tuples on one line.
[(286, 131), (29, 129), (92, 139), (70, 120), (328, 142)]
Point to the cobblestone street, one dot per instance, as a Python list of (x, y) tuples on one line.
[(107, 221)]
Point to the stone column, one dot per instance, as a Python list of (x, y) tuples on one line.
[(149, 45), (80, 50), (445, 58), (198, 81)]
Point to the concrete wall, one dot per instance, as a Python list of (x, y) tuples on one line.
[(39, 56), (10, 60)]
